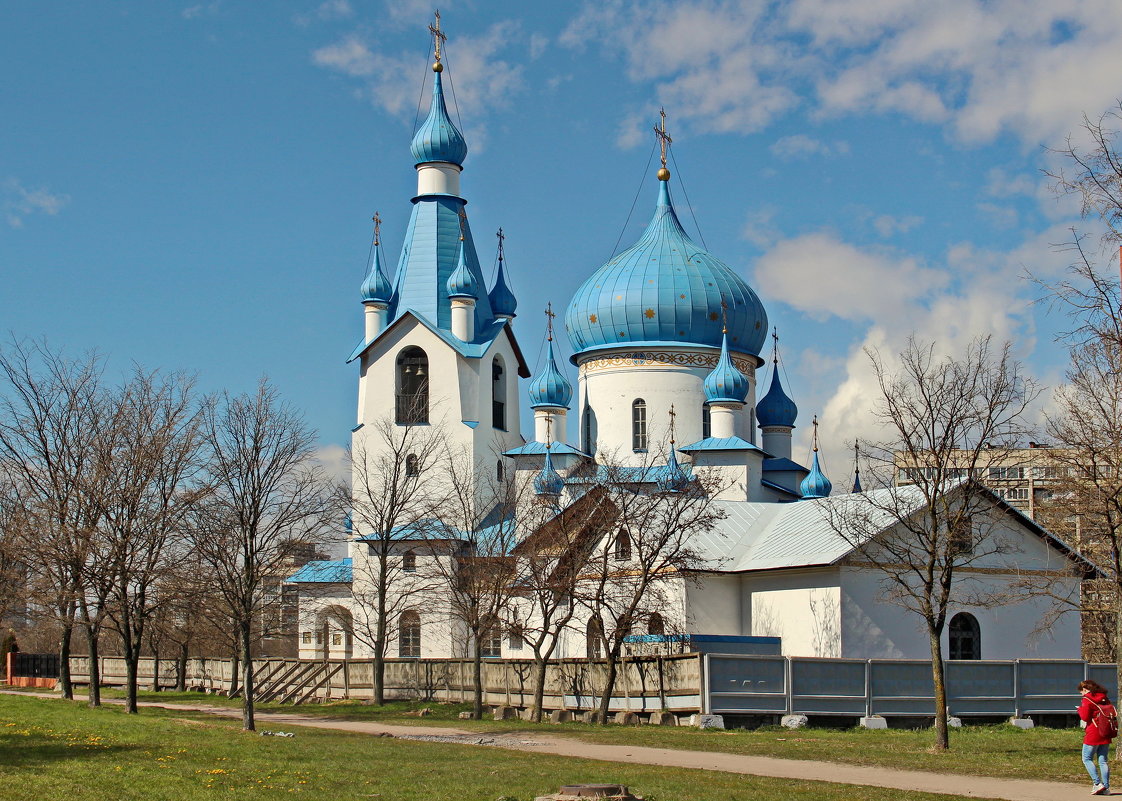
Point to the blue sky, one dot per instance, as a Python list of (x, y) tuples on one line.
[(189, 186)]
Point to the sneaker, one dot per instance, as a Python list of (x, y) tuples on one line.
[(1098, 789)]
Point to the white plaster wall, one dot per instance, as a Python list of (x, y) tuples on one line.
[(610, 391), (713, 604), (314, 599), (803, 607)]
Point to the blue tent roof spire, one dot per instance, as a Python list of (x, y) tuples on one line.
[(376, 287), (550, 387), (775, 408), (461, 283), (503, 302), (437, 139), (857, 466), (815, 485), (673, 478)]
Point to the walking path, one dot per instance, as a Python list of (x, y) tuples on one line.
[(836, 772)]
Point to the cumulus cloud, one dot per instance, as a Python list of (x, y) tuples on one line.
[(800, 146), (327, 11), (887, 225), (20, 202)]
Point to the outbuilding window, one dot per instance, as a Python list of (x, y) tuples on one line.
[(409, 634)]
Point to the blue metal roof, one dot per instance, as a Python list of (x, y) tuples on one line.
[(725, 383), (426, 529), (438, 139), (816, 485), (782, 465), (461, 283), (617, 474), (536, 448), (550, 387), (720, 444), (376, 287), (775, 408), (665, 289), (324, 572)]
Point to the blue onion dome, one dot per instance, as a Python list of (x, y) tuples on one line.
[(726, 384), (815, 485), (503, 302), (376, 287), (548, 482), (550, 387), (665, 289), (348, 524), (461, 283), (438, 139), (775, 408), (673, 478)]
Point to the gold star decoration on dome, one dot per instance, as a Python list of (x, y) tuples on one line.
[(592, 318), (649, 314)]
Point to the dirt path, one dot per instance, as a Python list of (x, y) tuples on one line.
[(836, 772)]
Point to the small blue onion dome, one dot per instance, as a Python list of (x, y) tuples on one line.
[(673, 478), (376, 288), (548, 482), (815, 485), (438, 139), (550, 387), (461, 283), (665, 289), (503, 302), (775, 408), (348, 523), (726, 384)]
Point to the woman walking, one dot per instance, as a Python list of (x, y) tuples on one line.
[(1101, 720)]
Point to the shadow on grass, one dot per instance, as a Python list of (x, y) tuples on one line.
[(37, 752)]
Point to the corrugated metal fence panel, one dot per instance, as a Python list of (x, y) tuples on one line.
[(980, 688), (1048, 686), (828, 686), (747, 684), (900, 687)]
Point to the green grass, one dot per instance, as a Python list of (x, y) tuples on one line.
[(53, 749), (1001, 751)]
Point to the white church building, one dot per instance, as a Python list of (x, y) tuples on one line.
[(664, 331)]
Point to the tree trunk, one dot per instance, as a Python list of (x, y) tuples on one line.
[(609, 686), (247, 678), (942, 739), (94, 697), (181, 669), (541, 668), (235, 668), (477, 683), (155, 670), (132, 665), (379, 677), (64, 680)]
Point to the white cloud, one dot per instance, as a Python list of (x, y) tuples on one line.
[(888, 226), (349, 55), (1001, 217), (327, 11), (798, 146), (19, 202), (201, 9), (760, 228)]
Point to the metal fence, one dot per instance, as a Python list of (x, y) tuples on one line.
[(38, 666), (775, 685)]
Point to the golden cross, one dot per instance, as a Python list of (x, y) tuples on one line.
[(673, 414), (463, 221), (664, 139), (549, 315), (437, 36), (501, 237), (377, 228), (815, 424), (724, 316), (775, 346)]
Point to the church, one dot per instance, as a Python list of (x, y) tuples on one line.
[(670, 356)]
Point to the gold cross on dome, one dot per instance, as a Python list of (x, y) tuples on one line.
[(673, 414), (438, 36), (549, 315), (815, 424), (664, 139), (377, 227), (501, 237)]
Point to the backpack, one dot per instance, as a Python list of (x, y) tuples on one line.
[(1105, 720)]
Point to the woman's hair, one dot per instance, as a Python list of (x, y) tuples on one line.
[(1092, 686)]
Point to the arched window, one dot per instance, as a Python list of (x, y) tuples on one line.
[(412, 387), (409, 562), (491, 643), (498, 394), (412, 465), (409, 634), (499, 471), (515, 636), (655, 624), (622, 545), (639, 425), (706, 422), (595, 640), (965, 637)]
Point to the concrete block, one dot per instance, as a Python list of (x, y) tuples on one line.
[(592, 717), (794, 721), (873, 722), (707, 721), (464, 716), (560, 716), (627, 718), (663, 719), (954, 723), (505, 713), (1021, 723)]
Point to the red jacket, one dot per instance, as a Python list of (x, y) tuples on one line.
[(1087, 711)]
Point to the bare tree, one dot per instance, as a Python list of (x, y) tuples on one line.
[(269, 497), (396, 490), (947, 421)]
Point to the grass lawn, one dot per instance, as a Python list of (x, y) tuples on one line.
[(51, 749), (1004, 751)]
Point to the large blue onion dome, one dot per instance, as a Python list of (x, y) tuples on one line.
[(503, 302), (375, 287), (461, 283), (725, 384), (815, 485), (438, 139), (550, 388), (548, 482), (665, 289), (775, 408)]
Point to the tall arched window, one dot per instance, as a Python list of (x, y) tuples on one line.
[(498, 394), (595, 640), (655, 624), (622, 545), (412, 465), (412, 387), (706, 422), (639, 425), (409, 634), (409, 562), (499, 471), (965, 637)]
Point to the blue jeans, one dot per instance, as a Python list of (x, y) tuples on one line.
[(1090, 754)]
